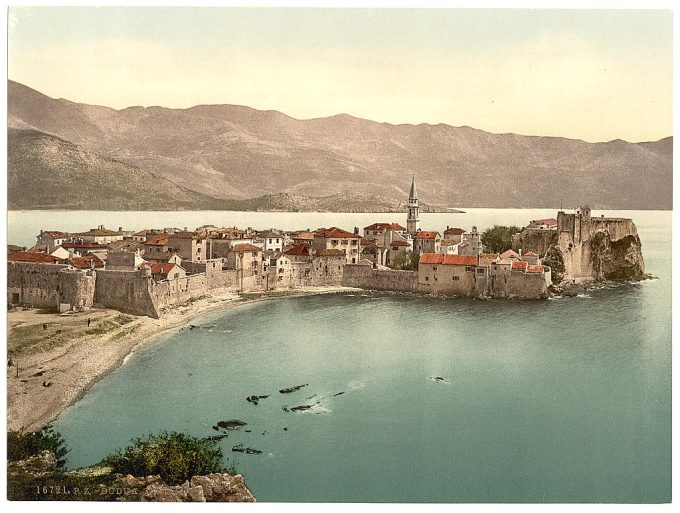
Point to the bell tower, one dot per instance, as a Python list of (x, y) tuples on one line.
[(413, 219)]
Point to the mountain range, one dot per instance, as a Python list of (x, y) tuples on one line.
[(63, 154)]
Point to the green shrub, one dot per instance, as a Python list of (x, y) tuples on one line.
[(176, 457), (499, 238), (22, 444)]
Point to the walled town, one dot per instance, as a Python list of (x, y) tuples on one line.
[(144, 272)]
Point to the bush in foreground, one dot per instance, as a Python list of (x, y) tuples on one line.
[(22, 444), (176, 457)]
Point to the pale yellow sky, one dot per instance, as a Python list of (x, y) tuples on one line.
[(592, 75)]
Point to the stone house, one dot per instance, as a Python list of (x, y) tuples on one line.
[(84, 248), (86, 262), (451, 275), (270, 240), (156, 245), (123, 260), (100, 235), (245, 258), (396, 249), (162, 272), (337, 238), (52, 238), (454, 234), (189, 246), (448, 246), (426, 242)]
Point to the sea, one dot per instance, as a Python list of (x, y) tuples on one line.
[(411, 399)]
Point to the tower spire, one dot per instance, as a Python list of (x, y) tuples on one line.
[(413, 219)]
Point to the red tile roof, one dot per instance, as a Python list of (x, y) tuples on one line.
[(398, 243), (86, 262), (162, 240), (183, 235), (519, 265), (302, 235), (509, 254), (299, 250), (158, 267), (98, 232), (549, 222), (386, 226), (56, 234), (29, 256), (427, 235), (454, 231), (531, 254), (246, 248), (83, 245), (335, 233), (535, 269), (438, 258)]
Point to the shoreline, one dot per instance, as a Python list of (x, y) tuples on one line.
[(73, 368)]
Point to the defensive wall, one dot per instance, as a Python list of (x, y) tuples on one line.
[(51, 286), (451, 280), (365, 277)]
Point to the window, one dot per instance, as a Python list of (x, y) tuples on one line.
[(270, 241), (480, 271), (456, 278), (434, 267), (469, 269), (427, 278)]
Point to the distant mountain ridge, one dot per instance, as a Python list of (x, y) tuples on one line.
[(236, 153)]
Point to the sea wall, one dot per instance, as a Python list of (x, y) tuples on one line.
[(365, 277), (520, 285), (319, 272)]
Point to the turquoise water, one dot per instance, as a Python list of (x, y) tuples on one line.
[(565, 400)]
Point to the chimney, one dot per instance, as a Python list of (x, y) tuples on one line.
[(120, 228)]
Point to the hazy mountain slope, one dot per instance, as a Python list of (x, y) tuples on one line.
[(47, 172), (236, 152)]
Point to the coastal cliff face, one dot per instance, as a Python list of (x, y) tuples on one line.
[(597, 249), (616, 259)]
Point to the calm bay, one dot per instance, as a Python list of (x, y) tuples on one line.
[(565, 400)]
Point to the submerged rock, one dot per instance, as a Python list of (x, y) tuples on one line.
[(231, 424), (292, 389)]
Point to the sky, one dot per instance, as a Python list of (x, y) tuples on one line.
[(595, 75)]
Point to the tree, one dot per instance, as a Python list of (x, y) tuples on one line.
[(22, 444), (499, 238), (406, 261)]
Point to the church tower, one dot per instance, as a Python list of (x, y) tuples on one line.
[(413, 218)]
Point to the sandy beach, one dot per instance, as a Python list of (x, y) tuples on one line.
[(71, 367)]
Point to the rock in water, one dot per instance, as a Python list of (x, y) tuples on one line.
[(231, 424), (292, 389)]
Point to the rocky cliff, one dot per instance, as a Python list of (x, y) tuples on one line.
[(38, 478), (587, 249)]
